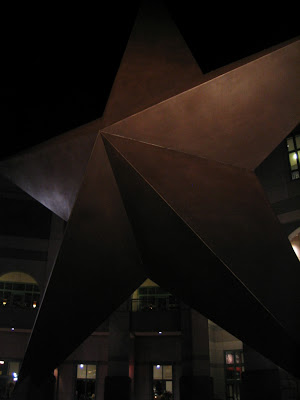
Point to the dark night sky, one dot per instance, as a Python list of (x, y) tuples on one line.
[(59, 70)]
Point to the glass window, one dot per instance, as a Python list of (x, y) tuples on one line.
[(9, 372), (86, 382), (290, 144), (229, 358), (293, 160), (19, 286), (81, 371), (18, 294), (295, 175), (3, 367), (169, 386), (157, 371), (13, 369), (293, 146), (167, 372), (151, 298), (91, 372), (234, 366), (162, 382)]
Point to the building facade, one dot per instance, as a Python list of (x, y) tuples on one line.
[(153, 339)]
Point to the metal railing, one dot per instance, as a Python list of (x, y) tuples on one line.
[(157, 304)]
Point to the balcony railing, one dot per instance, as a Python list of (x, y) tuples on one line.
[(157, 304)]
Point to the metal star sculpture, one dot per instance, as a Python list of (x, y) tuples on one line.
[(163, 187)]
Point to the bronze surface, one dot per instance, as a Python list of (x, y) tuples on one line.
[(226, 207), (52, 173), (237, 118), (236, 290), (97, 268), (199, 217)]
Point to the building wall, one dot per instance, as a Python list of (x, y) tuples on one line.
[(151, 350), (220, 341), (13, 343)]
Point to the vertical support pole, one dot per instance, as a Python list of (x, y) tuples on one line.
[(195, 382), (118, 382)]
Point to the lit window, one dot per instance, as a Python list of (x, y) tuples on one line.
[(18, 289), (162, 382), (9, 372), (154, 298), (85, 382), (293, 146), (234, 366)]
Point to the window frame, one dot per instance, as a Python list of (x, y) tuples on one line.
[(6, 377), (233, 381), (154, 298), (295, 150), (86, 363), (164, 364), (9, 290)]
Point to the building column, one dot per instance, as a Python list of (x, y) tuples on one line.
[(118, 383), (195, 382), (66, 381)]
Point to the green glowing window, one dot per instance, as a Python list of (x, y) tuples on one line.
[(293, 146)]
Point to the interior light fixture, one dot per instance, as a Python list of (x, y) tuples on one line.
[(81, 366), (1, 362), (158, 366)]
